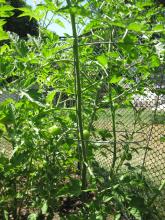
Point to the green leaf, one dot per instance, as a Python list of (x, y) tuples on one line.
[(24, 94), (143, 4), (102, 59), (137, 27), (2, 22), (6, 14), (44, 207), (6, 11), (6, 8), (2, 1), (59, 22), (104, 133), (155, 62), (73, 188), (31, 13), (3, 49), (115, 79), (79, 11), (158, 28), (115, 22), (92, 24), (90, 170), (107, 199), (162, 138), (162, 185), (76, 10), (3, 35), (2, 129), (136, 213), (33, 216), (50, 97), (6, 214), (118, 24), (99, 217), (114, 54), (117, 216)]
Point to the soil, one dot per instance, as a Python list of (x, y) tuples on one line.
[(69, 205)]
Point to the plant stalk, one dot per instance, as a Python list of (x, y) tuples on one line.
[(79, 99), (113, 114)]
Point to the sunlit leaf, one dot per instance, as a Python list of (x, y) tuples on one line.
[(136, 213), (50, 96), (102, 59), (6, 215), (117, 216), (3, 49), (31, 13), (33, 216), (115, 79), (6, 8), (155, 62), (60, 23), (107, 198), (143, 4), (75, 10), (158, 28), (3, 35), (44, 207), (137, 27)]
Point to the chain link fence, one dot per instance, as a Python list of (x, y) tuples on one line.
[(147, 134)]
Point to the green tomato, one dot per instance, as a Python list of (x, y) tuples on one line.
[(86, 134), (55, 130), (128, 156)]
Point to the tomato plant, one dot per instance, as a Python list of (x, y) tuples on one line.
[(63, 86)]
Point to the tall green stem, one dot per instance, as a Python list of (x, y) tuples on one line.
[(79, 99), (113, 114)]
